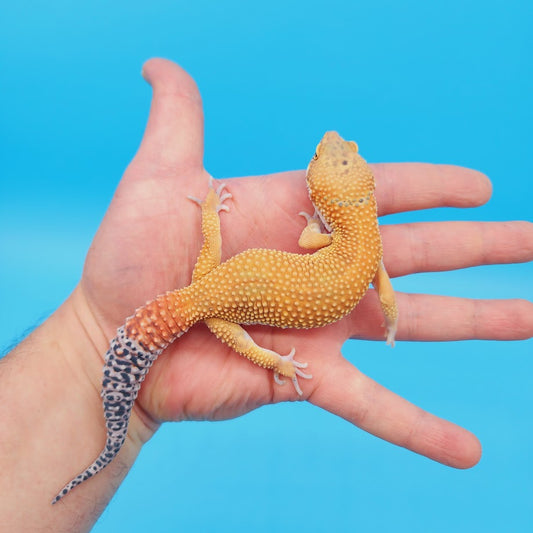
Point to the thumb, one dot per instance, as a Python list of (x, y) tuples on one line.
[(173, 137)]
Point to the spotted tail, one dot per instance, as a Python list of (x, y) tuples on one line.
[(131, 354)]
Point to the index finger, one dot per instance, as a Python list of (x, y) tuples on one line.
[(399, 187), (413, 186)]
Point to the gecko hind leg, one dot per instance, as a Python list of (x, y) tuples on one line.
[(239, 340)]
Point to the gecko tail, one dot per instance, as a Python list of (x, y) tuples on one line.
[(137, 345), (126, 364), (107, 455)]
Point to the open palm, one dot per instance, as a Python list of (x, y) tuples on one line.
[(150, 238)]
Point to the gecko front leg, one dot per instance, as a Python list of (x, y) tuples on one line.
[(210, 254), (312, 237), (387, 300)]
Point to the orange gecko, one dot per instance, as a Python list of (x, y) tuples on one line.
[(260, 286)]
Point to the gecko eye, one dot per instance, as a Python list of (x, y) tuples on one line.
[(317, 151)]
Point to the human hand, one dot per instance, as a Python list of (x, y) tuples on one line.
[(150, 237)]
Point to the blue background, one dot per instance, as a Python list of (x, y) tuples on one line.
[(437, 81)]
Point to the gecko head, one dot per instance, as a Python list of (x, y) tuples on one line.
[(338, 178)]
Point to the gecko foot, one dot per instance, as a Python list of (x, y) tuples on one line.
[(313, 236), (221, 197), (296, 366), (390, 332)]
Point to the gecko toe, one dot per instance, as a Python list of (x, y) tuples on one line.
[(307, 216), (298, 364), (222, 198), (195, 200), (278, 380), (303, 374), (297, 386)]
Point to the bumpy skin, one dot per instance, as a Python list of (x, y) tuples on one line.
[(260, 286)]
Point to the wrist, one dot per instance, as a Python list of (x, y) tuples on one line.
[(53, 420), (84, 342)]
